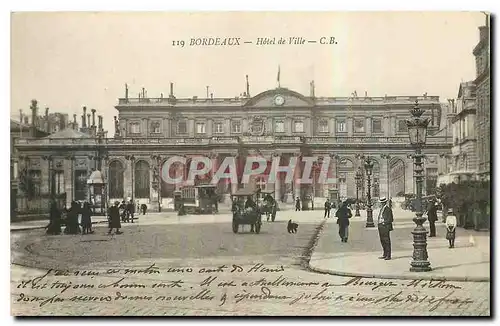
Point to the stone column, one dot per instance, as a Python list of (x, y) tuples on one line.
[(349, 126), (191, 127), (410, 187), (69, 179), (332, 126), (210, 123), (277, 183), (165, 127), (288, 126), (393, 128), (368, 126), (297, 175), (386, 124), (244, 125), (128, 177), (214, 157), (227, 127)]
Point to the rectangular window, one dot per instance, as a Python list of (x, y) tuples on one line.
[(323, 126), (218, 128), (279, 126), (58, 182), (155, 127), (376, 126), (182, 127), (298, 126), (34, 184), (135, 128), (341, 126), (359, 125), (402, 126), (236, 127), (200, 128)]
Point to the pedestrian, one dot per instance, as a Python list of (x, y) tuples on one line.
[(130, 211), (123, 211), (297, 204), (114, 218), (343, 215), (72, 226), (54, 227), (432, 217), (328, 207), (86, 219), (451, 225), (385, 219), (144, 208)]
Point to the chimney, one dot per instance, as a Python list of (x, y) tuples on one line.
[(312, 89), (47, 124), (33, 108), (171, 89), (93, 118), (26, 120), (84, 122), (88, 117), (100, 122), (483, 32), (126, 91), (211, 96), (62, 122)]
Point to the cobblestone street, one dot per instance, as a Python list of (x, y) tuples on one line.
[(205, 269)]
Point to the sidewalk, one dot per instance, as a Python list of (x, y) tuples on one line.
[(164, 218), (468, 261)]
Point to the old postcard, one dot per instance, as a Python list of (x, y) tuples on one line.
[(250, 163)]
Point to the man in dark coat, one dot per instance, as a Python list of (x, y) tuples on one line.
[(343, 215), (54, 227), (385, 219), (432, 217), (328, 207), (297, 204), (130, 211), (114, 218)]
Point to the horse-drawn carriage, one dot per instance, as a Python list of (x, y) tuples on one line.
[(246, 210), (268, 204)]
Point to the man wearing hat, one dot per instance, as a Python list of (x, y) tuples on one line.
[(385, 219)]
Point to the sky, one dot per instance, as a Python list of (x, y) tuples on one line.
[(69, 60)]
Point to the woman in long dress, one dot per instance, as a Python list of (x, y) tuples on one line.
[(86, 219), (343, 215)]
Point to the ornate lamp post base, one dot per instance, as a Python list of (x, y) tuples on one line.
[(420, 262), (369, 218)]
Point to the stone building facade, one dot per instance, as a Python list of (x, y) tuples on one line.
[(464, 151), (275, 123), (483, 100)]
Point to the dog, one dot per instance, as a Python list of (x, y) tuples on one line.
[(292, 227)]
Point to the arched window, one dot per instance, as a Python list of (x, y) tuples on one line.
[(116, 179), (141, 176)]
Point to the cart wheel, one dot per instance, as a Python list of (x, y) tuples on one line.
[(235, 227), (257, 227)]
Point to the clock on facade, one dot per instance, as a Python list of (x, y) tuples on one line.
[(279, 100)]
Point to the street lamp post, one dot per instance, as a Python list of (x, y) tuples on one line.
[(359, 177), (417, 131), (157, 177), (369, 211)]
